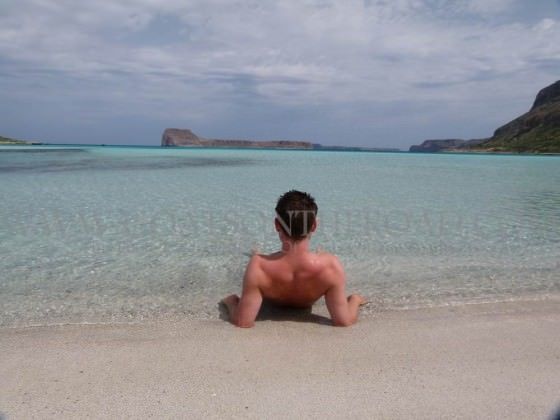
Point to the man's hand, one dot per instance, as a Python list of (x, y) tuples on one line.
[(360, 300), (231, 302)]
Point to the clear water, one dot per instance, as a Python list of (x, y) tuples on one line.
[(97, 234)]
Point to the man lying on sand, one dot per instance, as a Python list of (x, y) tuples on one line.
[(294, 276)]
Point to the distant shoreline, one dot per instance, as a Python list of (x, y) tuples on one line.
[(321, 149)]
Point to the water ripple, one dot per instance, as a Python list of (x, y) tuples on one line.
[(102, 236)]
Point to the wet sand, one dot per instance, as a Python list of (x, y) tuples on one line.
[(473, 361)]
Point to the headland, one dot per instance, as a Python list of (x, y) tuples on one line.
[(536, 131)]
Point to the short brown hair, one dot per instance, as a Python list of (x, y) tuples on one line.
[(296, 211)]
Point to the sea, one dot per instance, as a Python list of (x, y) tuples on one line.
[(92, 234)]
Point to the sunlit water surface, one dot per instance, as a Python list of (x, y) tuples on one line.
[(106, 234)]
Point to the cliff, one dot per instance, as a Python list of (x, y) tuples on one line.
[(186, 138), (431, 146), (178, 137), (8, 140), (537, 131)]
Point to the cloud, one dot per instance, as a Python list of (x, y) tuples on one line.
[(485, 7), (204, 63)]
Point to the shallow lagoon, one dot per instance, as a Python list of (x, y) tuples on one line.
[(105, 234)]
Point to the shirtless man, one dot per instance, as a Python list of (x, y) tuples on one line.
[(294, 276)]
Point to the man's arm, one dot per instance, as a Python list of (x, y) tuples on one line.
[(243, 311), (343, 310)]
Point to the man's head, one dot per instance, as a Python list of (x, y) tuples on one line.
[(296, 214)]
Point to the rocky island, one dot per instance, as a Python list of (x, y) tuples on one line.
[(186, 138), (536, 131)]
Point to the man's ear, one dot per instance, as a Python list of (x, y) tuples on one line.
[(315, 224)]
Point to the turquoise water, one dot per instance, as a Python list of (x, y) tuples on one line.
[(107, 234)]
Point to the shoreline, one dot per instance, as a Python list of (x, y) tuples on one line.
[(373, 309), (484, 360)]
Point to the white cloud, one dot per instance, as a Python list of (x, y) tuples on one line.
[(289, 53), (489, 7)]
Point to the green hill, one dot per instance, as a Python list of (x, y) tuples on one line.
[(537, 131), (7, 140)]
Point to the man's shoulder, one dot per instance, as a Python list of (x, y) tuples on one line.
[(259, 259), (256, 260), (332, 267), (254, 272), (328, 258), (262, 263)]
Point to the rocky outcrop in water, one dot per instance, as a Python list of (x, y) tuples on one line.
[(186, 138)]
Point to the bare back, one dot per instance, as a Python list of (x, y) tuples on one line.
[(295, 280)]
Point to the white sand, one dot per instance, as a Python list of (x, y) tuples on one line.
[(475, 361)]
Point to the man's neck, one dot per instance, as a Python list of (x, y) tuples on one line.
[(295, 248)]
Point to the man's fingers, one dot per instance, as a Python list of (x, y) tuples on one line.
[(362, 300)]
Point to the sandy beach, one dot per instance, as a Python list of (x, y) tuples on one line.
[(472, 361)]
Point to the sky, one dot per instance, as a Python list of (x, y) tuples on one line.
[(376, 73)]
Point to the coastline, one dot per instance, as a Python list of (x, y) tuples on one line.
[(317, 149), (483, 360)]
